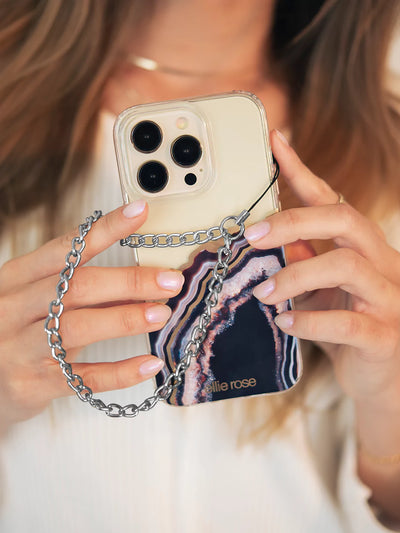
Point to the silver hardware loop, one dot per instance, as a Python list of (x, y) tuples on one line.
[(199, 332), (188, 238)]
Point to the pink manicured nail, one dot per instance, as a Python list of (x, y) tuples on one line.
[(157, 313), (264, 289), (151, 367), (282, 137), (257, 231), (134, 209), (284, 321), (172, 281)]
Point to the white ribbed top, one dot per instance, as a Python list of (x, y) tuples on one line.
[(175, 469)]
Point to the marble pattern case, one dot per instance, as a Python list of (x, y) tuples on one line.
[(244, 353)]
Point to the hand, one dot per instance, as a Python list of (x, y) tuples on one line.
[(101, 303), (351, 294)]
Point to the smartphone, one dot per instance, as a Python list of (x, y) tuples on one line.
[(197, 161)]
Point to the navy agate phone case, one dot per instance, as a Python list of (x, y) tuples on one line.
[(244, 352)]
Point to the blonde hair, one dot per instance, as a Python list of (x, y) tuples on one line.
[(346, 122), (56, 58)]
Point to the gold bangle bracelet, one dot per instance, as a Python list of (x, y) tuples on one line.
[(380, 459)]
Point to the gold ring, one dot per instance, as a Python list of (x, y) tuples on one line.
[(340, 199)]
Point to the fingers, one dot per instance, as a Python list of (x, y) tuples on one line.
[(50, 258), (90, 286), (85, 326), (341, 223), (33, 386), (82, 327), (101, 377), (325, 219), (96, 285), (310, 189), (358, 330), (341, 268)]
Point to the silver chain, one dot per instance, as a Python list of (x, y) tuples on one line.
[(189, 238), (198, 333)]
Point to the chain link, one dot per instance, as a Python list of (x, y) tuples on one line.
[(188, 238), (198, 333)]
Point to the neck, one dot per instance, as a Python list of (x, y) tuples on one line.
[(225, 41), (216, 36)]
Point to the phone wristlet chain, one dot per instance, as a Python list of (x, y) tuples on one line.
[(198, 333)]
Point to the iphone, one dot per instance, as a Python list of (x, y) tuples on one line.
[(197, 161)]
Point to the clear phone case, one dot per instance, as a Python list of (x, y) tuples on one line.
[(244, 353)]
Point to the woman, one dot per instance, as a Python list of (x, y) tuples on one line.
[(67, 69)]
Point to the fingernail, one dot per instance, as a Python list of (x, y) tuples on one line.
[(172, 281), (151, 366), (257, 231), (157, 313), (284, 321), (282, 137), (264, 289), (134, 209)]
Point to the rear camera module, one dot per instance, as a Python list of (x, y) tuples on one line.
[(186, 151), (146, 136), (190, 179), (153, 176)]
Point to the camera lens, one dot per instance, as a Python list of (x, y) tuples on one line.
[(186, 151), (153, 176), (146, 136), (190, 179)]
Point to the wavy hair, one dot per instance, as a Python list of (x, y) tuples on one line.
[(56, 57)]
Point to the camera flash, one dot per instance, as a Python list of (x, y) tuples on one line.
[(182, 123)]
